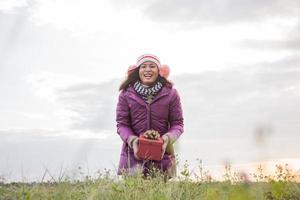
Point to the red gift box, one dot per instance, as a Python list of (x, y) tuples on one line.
[(150, 149)]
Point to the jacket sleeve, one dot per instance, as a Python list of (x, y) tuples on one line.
[(123, 118), (175, 117)]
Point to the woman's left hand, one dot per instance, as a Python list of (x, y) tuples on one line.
[(166, 142)]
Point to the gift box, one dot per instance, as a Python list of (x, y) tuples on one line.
[(150, 149)]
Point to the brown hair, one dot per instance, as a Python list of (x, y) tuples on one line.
[(134, 76)]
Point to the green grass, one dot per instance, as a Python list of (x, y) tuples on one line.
[(282, 185)]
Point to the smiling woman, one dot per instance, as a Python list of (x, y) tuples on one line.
[(148, 102)]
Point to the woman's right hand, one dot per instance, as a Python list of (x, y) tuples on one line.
[(135, 148)]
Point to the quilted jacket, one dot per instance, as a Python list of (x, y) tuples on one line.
[(134, 116)]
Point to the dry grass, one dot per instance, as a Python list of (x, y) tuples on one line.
[(281, 185)]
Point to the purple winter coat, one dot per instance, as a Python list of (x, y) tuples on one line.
[(134, 116)]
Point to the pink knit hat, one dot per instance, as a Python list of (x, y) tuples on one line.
[(164, 70)]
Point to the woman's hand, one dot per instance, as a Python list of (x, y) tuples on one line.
[(166, 142), (133, 144), (135, 148)]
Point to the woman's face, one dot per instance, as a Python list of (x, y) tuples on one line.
[(148, 73)]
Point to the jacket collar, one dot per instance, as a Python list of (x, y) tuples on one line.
[(132, 94)]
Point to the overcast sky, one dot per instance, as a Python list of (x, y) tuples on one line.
[(235, 64)]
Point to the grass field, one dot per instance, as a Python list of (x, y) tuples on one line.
[(281, 185)]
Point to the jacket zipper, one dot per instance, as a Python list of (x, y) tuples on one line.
[(148, 107)]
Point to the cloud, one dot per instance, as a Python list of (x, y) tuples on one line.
[(93, 105), (14, 134), (231, 103), (45, 84), (287, 38), (27, 48), (215, 12), (48, 46), (27, 134), (11, 5), (290, 42), (243, 95)]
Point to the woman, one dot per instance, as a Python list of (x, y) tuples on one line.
[(148, 101)]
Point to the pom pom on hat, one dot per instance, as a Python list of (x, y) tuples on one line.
[(164, 71), (131, 68)]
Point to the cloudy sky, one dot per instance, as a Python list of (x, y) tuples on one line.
[(235, 64)]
